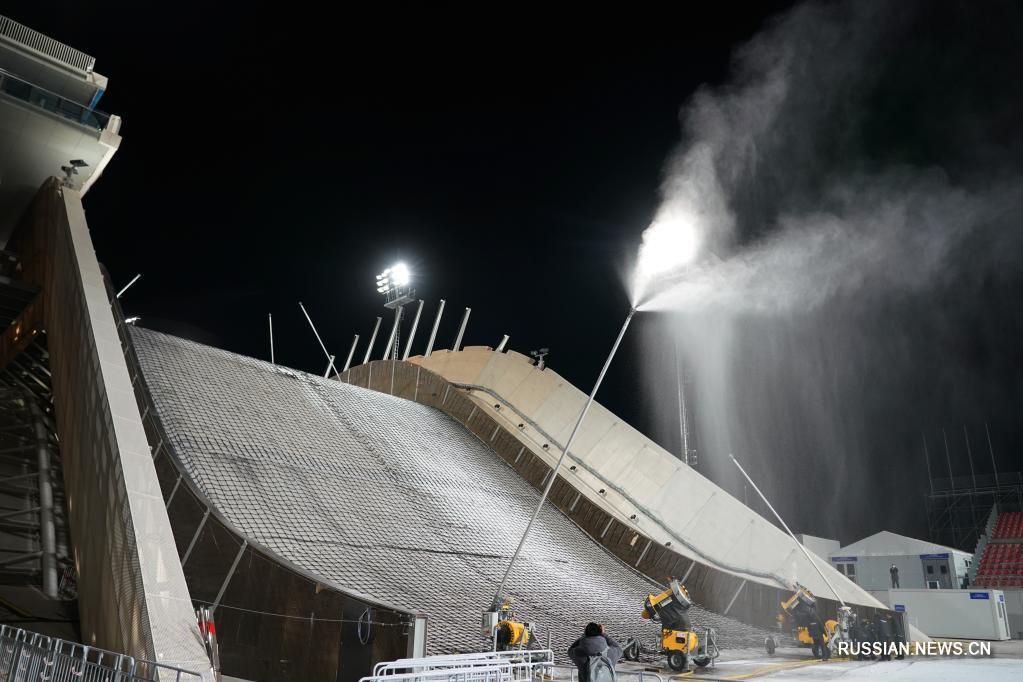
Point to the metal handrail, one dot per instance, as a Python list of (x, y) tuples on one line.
[(507, 672), (25, 91), (490, 666), (28, 656), (530, 655), (44, 45), (397, 671)]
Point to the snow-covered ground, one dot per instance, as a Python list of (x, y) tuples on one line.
[(931, 669), (791, 664)]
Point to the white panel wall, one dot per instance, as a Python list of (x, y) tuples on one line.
[(954, 613)]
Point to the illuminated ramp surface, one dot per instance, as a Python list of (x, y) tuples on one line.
[(385, 497)]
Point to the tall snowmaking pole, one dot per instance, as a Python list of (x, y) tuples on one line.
[(498, 595), (785, 526)]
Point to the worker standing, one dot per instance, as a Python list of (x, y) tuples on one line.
[(816, 632), (595, 654), (884, 633), (856, 636), (894, 571), (870, 637)]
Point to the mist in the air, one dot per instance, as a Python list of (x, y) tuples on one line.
[(838, 257)]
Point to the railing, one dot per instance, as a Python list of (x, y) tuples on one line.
[(47, 46), (28, 657), (981, 483), (571, 673), (534, 656), (488, 666), (50, 101)]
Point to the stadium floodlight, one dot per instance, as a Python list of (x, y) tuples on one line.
[(394, 283)]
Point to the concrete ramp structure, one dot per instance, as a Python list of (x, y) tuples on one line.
[(639, 501), (377, 497)]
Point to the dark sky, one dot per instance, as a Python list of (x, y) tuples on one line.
[(511, 159), (272, 157)]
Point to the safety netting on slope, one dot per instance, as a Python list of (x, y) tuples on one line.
[(388, 498)]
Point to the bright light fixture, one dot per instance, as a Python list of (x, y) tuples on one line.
[(400, 274)]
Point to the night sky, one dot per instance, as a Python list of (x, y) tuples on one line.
[(512, 160)]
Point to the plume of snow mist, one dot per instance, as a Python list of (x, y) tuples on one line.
[(891, 236)]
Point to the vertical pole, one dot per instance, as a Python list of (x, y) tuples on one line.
[(394, 331), (785, 526), (412, 332), (270, 316), (501, 346), (973, 477), (330, 366), (683, 420), (47, 531), (992, 451), (461, 331), (330, 358), (969, 455), (372, 340), (948, 460), (927, 459), (348, 362), (557, 467), (951, 482), (436, 325)]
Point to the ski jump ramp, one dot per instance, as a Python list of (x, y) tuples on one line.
[(384, 498)]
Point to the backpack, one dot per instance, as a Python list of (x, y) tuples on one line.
[(599, 668)]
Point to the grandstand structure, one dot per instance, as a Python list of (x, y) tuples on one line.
[(1000, 549), (999, 562), (958, 507)]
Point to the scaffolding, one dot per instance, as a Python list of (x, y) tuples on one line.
[(958, 507)]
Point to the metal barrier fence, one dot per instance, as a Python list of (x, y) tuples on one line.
[(534, 656), (487, 666), (572, 674), (31, 657), (490, 666)]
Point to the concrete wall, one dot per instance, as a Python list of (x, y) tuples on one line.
[(645, 488), (132, 592)]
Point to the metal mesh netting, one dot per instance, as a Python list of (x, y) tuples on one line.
[(386, 497)]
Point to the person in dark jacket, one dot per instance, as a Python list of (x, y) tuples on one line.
[(869, 637), (884, 635), (593, 643), (856, 636), (816, 632), (894, 571), (898, 635)]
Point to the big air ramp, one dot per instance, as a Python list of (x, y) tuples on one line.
[(383, 497)]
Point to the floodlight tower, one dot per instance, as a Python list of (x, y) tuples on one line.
[(395, 284)]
